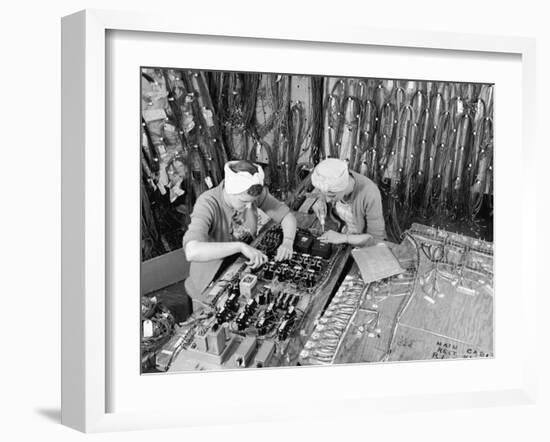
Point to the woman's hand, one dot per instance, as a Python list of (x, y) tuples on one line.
[(333, 237), (284, 251), (255, 257)]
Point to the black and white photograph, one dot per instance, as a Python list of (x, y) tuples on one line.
[(232, 221), (300, 220)]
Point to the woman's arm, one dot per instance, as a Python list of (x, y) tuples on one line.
[(288, 225), (360, 240), (201, 251), (280, 213), (356, 240)]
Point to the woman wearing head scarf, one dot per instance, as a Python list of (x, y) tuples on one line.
[(225, 220), (353, 198)]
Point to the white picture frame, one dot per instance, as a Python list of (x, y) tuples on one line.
[(85, 215)]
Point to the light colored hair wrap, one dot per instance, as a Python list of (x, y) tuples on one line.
[(330, 175), (238, 182)]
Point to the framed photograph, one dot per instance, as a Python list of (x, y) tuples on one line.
[(291, 221)]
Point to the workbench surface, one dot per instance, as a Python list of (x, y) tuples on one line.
[(436, 309)]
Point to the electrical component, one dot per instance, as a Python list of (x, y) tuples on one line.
[(270, 310), (271, 240), (284, 329), (247, 284), (281, 301), (215, 339), (244, 352), (290, 313), (268, 294), (234, 288), (264, 354), (286, 301), (263, 297), (294, 269), (322, 249), (296, 260), (165, 357), (241, 321), (303, 242), (201, 342), (261, 325), (232, 302), (222, 315), (282, 272), (269, 271), (250, 307), (289, 273), (316, 264), (310, 278)]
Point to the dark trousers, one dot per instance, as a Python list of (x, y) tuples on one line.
[(178, 302)]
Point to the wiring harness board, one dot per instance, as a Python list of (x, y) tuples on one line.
[(440, 307), (259, 317)]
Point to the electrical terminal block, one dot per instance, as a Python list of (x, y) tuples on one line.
[(264, 354), (284, 329), (261, 325), (243, 354), (269, 271), (290, 313), (270, 310), (201, 342), (215, 339), (241, 321), (250, 307)]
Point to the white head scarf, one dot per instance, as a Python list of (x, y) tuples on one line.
[(238, 182), (330, 175)]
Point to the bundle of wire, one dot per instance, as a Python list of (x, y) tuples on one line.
[(162, 325), (428, 145)]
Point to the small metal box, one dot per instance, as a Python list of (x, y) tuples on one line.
[(244, 352), (302, 243), (216, 340), (247, 284), (322, 249), (201, 342), (265, 352)]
